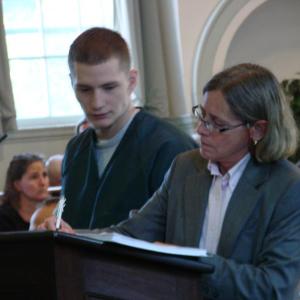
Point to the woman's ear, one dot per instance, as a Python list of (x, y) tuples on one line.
[(17, 185), (258, 130)]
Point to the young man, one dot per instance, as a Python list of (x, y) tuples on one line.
[(118, 163)]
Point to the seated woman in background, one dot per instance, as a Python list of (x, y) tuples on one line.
[(26, 186)]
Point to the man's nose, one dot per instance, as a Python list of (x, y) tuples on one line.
[(98, 99)]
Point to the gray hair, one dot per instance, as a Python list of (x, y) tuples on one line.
[(253, 93)]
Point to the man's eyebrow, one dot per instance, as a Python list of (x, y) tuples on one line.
[(110, 82), (105, 84), (82, 85)]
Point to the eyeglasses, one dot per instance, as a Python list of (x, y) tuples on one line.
[(210, 126)]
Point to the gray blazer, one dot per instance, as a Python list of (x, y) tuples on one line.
[(258, 255)]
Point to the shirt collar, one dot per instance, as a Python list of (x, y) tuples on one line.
[(233, 175), (107, 143)]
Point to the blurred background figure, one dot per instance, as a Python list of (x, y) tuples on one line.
[(26, 187), (53, 165), (46, 209)]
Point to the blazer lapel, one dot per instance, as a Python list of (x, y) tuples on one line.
[(241, 205), (196, 197)]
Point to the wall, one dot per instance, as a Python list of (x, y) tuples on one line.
[(258, 31), (273, 28), (193, 15)]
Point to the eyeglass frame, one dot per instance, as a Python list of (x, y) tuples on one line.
[(197, 112)]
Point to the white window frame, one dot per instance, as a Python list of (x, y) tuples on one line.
[(53, 121)]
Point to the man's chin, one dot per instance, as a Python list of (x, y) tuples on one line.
[(101, 125)]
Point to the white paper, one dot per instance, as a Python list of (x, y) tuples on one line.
[(114, 237)]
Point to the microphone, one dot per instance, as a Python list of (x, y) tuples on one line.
[(3, 137)]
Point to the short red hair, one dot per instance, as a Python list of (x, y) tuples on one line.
[(96, 45)]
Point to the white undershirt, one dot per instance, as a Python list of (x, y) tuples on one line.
[(220, 192)]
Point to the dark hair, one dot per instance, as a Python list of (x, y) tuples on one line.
[(96, 45), (16, 169), (253, 93)]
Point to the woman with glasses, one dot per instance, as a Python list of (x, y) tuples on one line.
[(239, 198)]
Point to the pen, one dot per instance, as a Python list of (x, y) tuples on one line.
[(59, 211)]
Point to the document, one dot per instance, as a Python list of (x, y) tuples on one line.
[(121, 239)]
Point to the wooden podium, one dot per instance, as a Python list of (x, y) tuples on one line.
[(58, 266)]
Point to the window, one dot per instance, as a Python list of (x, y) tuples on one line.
[(38, 34)]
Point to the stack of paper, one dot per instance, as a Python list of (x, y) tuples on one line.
[(114, 237)]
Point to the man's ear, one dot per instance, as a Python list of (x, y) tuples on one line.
[(71, 79), (133, 77), (258, 130)]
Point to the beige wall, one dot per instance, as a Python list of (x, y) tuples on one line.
[(236, 31), (277, 43), (193, 15)]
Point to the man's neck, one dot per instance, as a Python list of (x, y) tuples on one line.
[(108, 133)]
